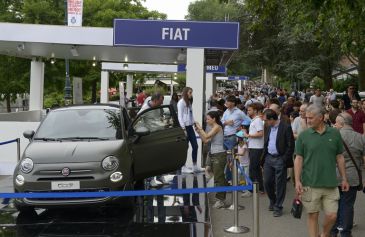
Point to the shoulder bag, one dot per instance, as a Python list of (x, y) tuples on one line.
[(360, 187)]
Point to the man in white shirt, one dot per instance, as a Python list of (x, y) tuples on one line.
[(256, 143), (317, 98)]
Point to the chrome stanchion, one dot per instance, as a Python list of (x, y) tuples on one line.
[(234, 183), (256, 220), (235, 229), (18, 148)]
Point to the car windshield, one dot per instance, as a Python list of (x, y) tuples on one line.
[(78, 124)]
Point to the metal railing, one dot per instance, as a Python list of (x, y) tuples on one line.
[(253, 186), (17, 146)]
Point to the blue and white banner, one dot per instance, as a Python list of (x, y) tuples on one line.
[(238, 78), (208, 68), (176, 34)]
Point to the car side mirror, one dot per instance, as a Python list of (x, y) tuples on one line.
[(142, 131), (29, 134)]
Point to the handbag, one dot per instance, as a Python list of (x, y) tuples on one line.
[(360, 187), (297, 208)]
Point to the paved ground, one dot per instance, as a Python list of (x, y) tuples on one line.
[(285, 226)]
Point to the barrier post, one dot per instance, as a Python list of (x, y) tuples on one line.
[(235, 182), (256, 220), (18, 148), (235, 229)]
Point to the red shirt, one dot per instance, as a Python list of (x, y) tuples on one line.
[(140, 98), (358, 119)]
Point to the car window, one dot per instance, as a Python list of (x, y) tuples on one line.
[(155, 120), (97, 123)]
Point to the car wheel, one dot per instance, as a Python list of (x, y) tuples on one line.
[(24, 209)]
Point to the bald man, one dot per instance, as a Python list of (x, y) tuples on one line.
[(282, 117)]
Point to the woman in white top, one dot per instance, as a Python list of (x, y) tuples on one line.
[(186, 120)]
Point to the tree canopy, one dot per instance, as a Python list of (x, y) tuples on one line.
[(95, 13)]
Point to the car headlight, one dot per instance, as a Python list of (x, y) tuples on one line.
[(26, 166), (110, 163), (19, 180)]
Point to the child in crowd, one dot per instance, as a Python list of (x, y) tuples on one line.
[(244, 159)]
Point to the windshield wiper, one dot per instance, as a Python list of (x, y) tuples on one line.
[(84, 138), (46, 139)]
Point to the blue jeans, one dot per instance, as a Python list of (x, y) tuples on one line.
[(345, 214), (275, 180), (194, 144), (230, 142)]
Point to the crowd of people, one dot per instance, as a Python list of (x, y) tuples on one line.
[(275, 131), (314, 139)]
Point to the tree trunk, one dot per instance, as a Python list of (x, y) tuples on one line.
[(93, 91), (327, 77), (7, 97), (361, 70)]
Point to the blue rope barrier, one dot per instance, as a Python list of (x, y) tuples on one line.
[(125, 193), (7, 142), (248, 180)]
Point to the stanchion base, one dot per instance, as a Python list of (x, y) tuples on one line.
[(231, 208), (237, 229)]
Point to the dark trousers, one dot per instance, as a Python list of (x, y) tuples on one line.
[(194, 144), (275, 180), (345, 214), (255, 168)]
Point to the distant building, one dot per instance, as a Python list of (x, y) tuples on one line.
[(347, 69), (20, 104)]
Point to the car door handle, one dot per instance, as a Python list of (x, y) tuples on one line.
[(179, 139)]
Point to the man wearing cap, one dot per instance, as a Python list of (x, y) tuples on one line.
[(231, 120)]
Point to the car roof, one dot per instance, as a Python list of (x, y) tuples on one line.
[(88, 106)]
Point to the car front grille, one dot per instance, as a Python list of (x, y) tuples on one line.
[(70, 199), (56, 175), (66, 178)]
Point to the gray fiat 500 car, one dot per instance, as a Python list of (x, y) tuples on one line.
[(97, 148)]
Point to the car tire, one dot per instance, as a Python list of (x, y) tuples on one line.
[(126, 202), (25, 209)]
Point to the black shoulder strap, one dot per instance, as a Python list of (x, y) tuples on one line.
[(353, 160)]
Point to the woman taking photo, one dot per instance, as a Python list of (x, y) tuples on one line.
[(186, 120), (217, 153)]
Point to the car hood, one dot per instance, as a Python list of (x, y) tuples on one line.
[(68, 152)]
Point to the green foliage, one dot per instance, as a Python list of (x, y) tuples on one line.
[(342, 85), (152, 90), (53, 99), (181, 80), (14, 72)]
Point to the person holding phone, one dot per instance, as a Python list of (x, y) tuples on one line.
[(186, 120)]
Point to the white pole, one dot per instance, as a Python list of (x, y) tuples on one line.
[(195, 79), (104, 94), (36, 85)]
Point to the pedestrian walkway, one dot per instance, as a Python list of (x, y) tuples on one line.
[(284, 226)]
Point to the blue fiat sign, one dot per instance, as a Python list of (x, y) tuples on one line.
[(176, 34)]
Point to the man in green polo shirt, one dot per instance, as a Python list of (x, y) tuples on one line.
[(318, 149)]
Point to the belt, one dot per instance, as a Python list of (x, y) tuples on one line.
[(230, 135), (275, 156)]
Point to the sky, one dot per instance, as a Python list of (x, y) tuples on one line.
[(175, 9)]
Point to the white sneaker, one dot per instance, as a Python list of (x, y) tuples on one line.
[(198, 169), (219, 204), (162, 180), (155, 183), (186, 170), (246, 194)]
